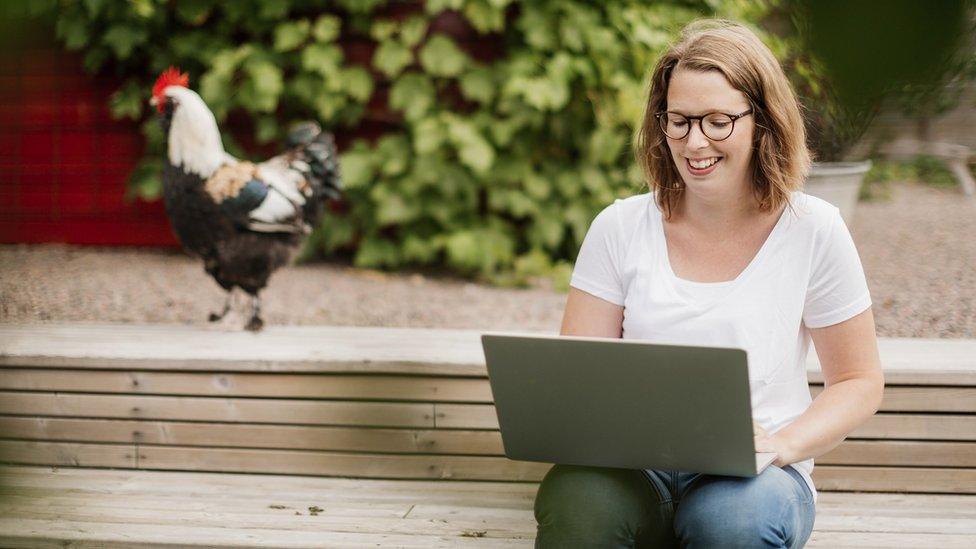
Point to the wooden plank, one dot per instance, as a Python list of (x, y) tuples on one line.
[(890, 426), (68, 453), (901, 453), (133, 484), (430, 441), (294, 462), (918, 427), (241, 384), (923, 399), (274, 349), (827, 477), (263, 410), (907, 361), (253, 436), (290, 519), (895, 479), (874, 540), (32, 533), (369, 386)]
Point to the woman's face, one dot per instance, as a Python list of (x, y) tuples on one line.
[(706, 165)]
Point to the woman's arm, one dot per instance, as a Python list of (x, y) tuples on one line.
[(588, 315), (853, 388)]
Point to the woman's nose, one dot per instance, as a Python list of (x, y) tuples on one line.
[(696, 138)]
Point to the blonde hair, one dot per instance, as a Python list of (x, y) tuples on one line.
[(781, 159)]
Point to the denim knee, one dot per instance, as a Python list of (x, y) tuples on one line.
[(579, 506), (770, 510)]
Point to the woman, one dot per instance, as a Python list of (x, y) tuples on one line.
[(725, 251)]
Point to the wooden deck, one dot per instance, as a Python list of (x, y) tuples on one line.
[(110, 508)]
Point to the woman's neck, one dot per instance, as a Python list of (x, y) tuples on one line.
[(716, 213)]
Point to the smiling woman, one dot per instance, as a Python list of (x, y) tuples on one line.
[(725, 251)]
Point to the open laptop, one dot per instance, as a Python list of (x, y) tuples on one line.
[(623, 403)]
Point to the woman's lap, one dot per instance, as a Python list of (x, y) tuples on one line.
[(581, 506)]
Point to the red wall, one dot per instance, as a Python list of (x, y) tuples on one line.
[(64, 162)]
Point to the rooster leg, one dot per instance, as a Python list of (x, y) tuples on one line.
[(214, 317), (255, 324)]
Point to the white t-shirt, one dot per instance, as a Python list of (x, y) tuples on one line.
[(806, 275)]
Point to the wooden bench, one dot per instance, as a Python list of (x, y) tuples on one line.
[(385, 404)]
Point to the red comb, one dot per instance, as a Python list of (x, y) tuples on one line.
[(170, 77)]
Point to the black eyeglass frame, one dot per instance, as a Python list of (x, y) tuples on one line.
[(701, 118)]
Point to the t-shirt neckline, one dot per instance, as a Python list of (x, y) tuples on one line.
[(665, 260)]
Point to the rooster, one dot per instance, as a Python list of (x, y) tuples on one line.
[(245, 220)]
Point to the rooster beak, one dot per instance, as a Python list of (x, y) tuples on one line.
[(153, 101)]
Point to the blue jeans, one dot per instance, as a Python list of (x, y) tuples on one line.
[(579, 506)]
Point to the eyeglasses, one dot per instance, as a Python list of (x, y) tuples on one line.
[(716, 126)]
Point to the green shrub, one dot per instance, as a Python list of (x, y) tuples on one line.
[(497, 168)]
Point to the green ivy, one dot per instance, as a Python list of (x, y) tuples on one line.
[(495, 170)]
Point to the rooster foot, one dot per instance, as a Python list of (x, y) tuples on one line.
[(214, 317), (255, 324)]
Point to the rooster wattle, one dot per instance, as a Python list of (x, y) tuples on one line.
[(244, 219)]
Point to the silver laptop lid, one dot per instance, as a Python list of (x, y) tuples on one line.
[(622, 403)]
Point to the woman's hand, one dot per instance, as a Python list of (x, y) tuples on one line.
[(766, 443)]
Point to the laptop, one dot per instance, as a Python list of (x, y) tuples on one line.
[(623, 403)]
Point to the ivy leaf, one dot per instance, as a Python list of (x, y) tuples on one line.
[(437, 6), (484, 17), (428, 135), (606, 145), (412, 31), (194, 12), (420, 250), (124, 38), (478, 85), (394, 152), (441, 57), (358, 83), (391, 57), (273, 9), (323, 59), (266, 129), (146, 181), (261, 91), (382, 30), (73, 29), (358, 166), (395, 209), (376, 252), (327, 28), (413, 94), (127, 101), (290, 35), (473, 150)]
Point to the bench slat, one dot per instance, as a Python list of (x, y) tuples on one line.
[(368, 386), (243, 384), (381, 414), (908, 361), (263, 410), (826, 477), (850, 452)]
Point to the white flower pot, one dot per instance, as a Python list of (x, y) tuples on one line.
[(838, 183)]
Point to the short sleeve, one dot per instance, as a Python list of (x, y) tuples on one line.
[(598, 264), (837, 288)]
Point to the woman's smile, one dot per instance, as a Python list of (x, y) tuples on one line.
[(702, 166)]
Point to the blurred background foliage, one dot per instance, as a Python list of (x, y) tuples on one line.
[(501, 149)]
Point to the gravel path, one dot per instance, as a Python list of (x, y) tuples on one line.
[(918, 249)]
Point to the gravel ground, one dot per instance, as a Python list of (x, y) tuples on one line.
[(918, 249)]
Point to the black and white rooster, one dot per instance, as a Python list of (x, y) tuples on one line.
[(245, 220)]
